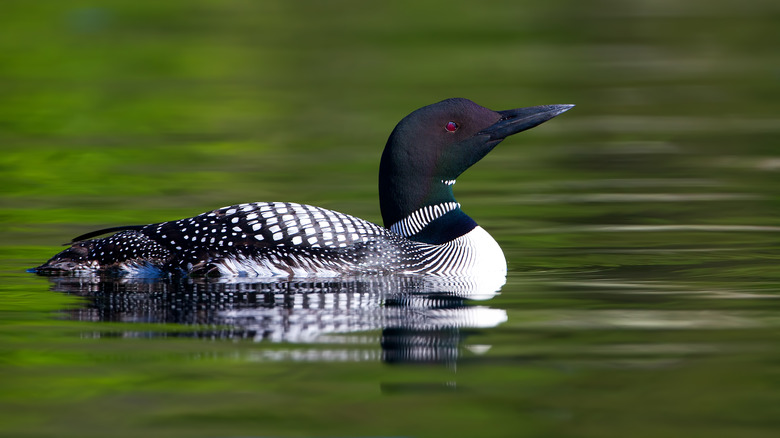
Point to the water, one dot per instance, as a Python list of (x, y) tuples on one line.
[(641, 228)]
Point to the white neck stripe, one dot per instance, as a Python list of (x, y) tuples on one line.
[(419, 219)]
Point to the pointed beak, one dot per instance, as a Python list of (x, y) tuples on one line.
[(518, 120)]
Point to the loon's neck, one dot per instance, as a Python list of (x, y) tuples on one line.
[(422, 210), (435, 224)]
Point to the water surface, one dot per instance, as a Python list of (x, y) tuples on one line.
[(641, 228)]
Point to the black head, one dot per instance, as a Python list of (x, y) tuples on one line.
[(433, 145)]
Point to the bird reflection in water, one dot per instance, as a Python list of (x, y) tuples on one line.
[(422, 319)]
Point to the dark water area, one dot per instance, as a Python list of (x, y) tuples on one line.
[(641, 228)]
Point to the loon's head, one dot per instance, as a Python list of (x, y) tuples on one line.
[(433, 145)]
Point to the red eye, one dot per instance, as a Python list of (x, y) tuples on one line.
[(451, 126)]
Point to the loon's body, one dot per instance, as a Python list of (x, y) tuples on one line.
[(426, 230)]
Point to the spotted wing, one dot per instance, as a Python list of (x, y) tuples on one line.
[(269, 238)]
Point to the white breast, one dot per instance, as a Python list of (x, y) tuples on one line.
[(490, 258), (474, 253)]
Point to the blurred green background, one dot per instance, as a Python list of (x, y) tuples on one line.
[(641, 228)]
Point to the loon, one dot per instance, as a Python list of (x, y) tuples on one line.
[(425, 232)]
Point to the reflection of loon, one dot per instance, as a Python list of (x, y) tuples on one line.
[(426, 230), (421, 318)]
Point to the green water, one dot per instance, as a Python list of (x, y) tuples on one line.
[(641, 229)]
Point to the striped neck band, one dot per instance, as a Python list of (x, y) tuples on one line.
[(419, 219)]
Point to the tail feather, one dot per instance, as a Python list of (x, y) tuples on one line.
[(96, 233), (126, 251)]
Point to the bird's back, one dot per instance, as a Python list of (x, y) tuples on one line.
[(266, 239)]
